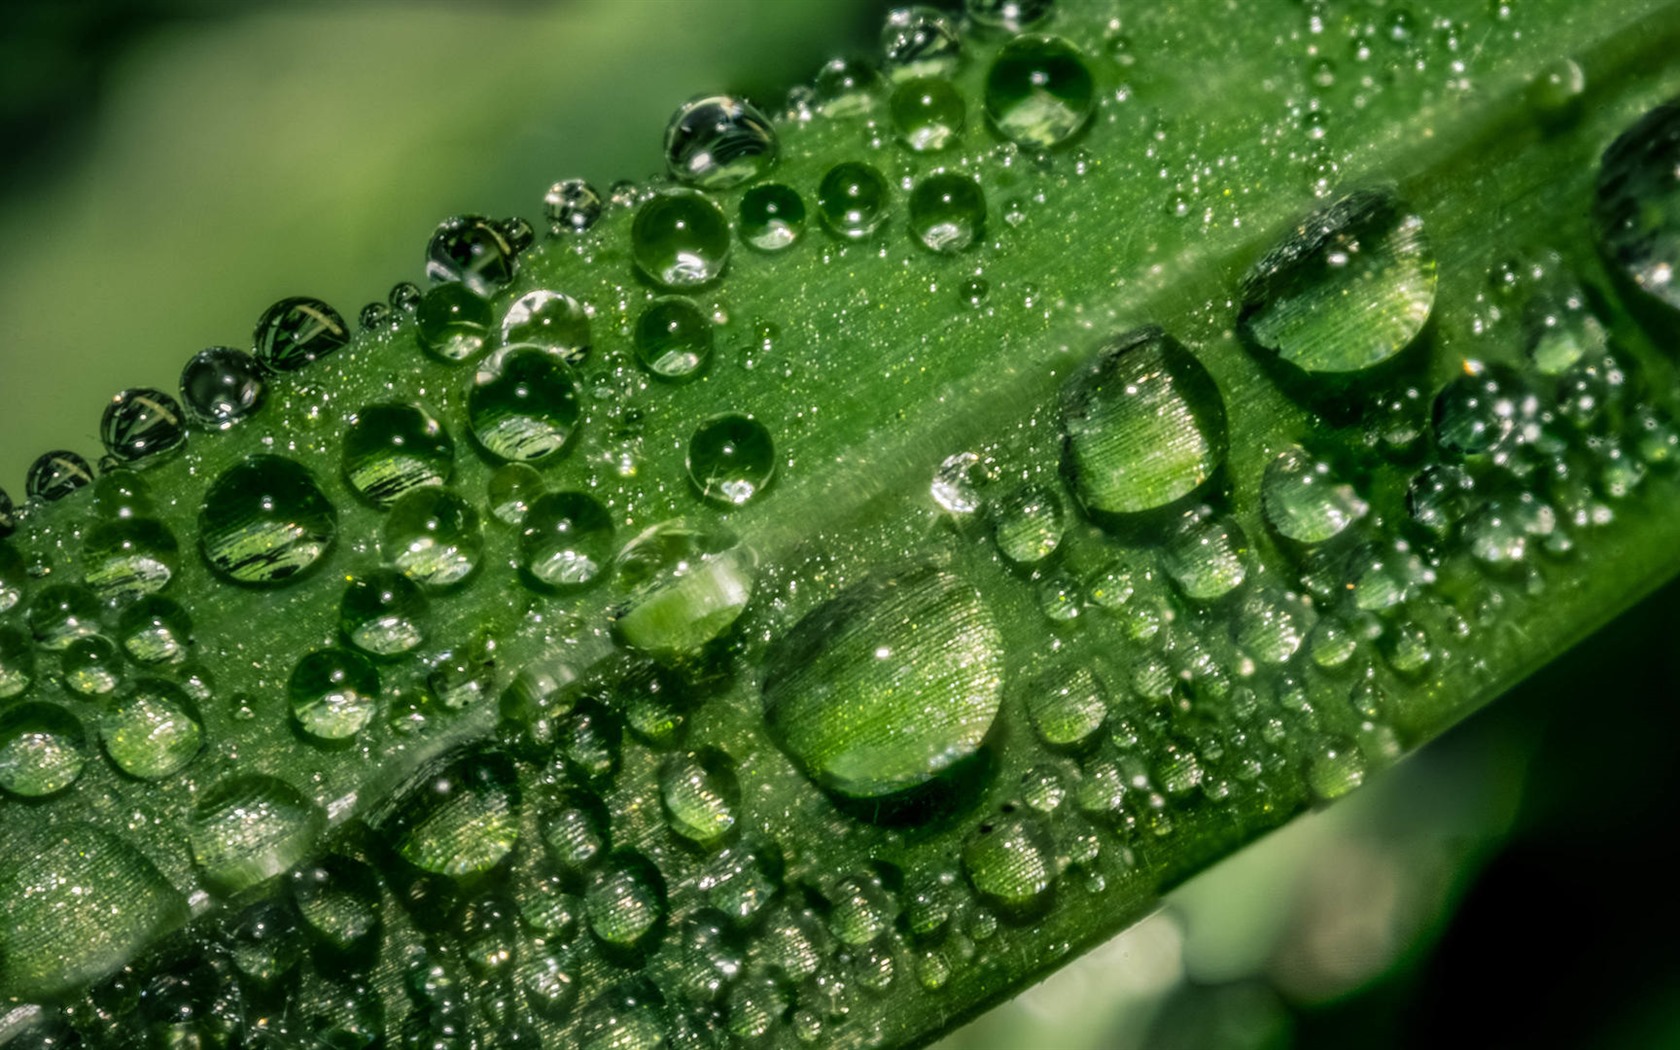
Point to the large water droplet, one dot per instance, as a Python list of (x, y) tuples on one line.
[(846, 87), (1303, 501), (333, 693), (142, 424), (1068, 708), (1008, 15), (433, 537), (249, 828), (552, 320), (719, 141), (461, 819), (297, 332), (772, 217), (153, 730), (1348, 289), (948, 213), (92, 666), (524, 404), (680, 240), (480, 254), (928, 115), (1206, 555), (731, 459), (340, 901), (390, 449), (452, 322), (673, 339), (221, 386), (688, 584), (155, 631), (56, 474), (920, 42), (853, 200), (1143, 426), (1637, 203), (264, 521), (887, 686), (1039, 91), (61, 613), (567, 540), (43, 749), (129, 557)]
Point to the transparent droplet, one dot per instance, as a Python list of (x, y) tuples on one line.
[(264, 943), (152, 730), (377, 317), (474, 251), (129, 557), (700, 796), (56, 474), (571, 206), (567, 541), (60, 613), (948, 213), (853, 200), (1008, 15), (1303, 501), (1636, 206), (731, 459), (576, 832), (433, 537), (549, 980), (511, 491), (249, 828), (142, 424), (1562, 330), (221, 386), (333, 693), (887, 686), (391, 449), (673, 338), (626, 902), (1350, 288), (920, 42), (680, 240), (524, 404), (1206, 555), (1271, 626), (687, 585), (461, 818), (1439, 496), (1010, 861), (1068, 708), (8, 517), (340, 902), (719, 141), (957, 483), (772, 217), (297, 332), (383, 613), (43, 749), (92, 666), (264, 521), (846, 87), (1486, 410), (1039, 91), (453, 322), (927, 114), (1143, 426), (1027, 524), (1335, 768), (155, 630), (554, 321), (17, 662)]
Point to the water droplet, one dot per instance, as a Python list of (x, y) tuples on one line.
[(1304, 502), (511, 491), (142, 424), (680, 240), (17, 662), (575, 831), (340, 901), (1039, 91), (628, 1016), (8, 517), (928, 115), (571, 206), (688, 584), (1272, 625), (772, 217), (56, 474), (524, 404), (1206, 555), (1008, 15), (920, 42), (1027, 524), (155, 631), (554, 321), (887, 686), (474, 251), (433, 537), (391, 449), (626, 902), (453, 322), (719, 141), (153, 730), (333, 693), (383, 613), (42, 751), (731, 459), (549, 980), (61, 613), (221, 386), (948, 213), (1439, 497), (853, 200), (264, 944), (377, 317), (129, 557), (77, 908), (673, 338), (1335, 768), (1635, 202), (297, 332), (700, 796), (92, 666), (846, 87), (1143, 426), (1562, 330), (1011, 863), (461, 819), (264, 521), (1068, 708), (567, 540), (1486, 410), (249, 828), (1350, 288)]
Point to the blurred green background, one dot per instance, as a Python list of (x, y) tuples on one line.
[(172, 166)]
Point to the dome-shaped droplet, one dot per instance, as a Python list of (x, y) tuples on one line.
[(377, 317), (460, 819), (296, 332), (152, 730), (1272, 625), (264, 521), (853, 200), (129, 557), (680, 239), (1334, 768), (1143, 426), (511, 490), (249, 828), (772, 217), (60, 613), (1011, 863), (1068, 708), (846, 87), (524, 404), (383, 612), (333, 693), (1027, 524), (92, 666), (474, 251), (731, 459), (1039, 91), (1206, 555), (571, 206), (1304, 501), (154, 630), (673, 339), (626, 902), (920, 42), (42, 750), (1439, 496), (392, 449), (452, 322), (1008, 15), (700, 796), (947, 213), (17, 662), (552, 320), (567, 540), (121, 494), (928, 115), (885, 687), (719, 141), (8, 515), (56, 474), (433, 537), (142, 424), (576, 832), (1349, 288), (1637, 202), (688, 585), (340, 901), (221, 386), (1488, 409)]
